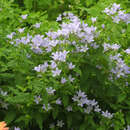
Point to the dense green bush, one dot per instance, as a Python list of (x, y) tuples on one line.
[(65, 74)]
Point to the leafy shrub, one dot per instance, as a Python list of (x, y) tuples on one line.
[(69, 74)]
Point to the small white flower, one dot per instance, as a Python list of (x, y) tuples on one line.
[(60, 123), (3, 93), (69, 108)]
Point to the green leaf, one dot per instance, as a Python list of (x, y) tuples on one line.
[(65, 100), (21, 98), (55, 113), (28, 4), (39, 120), (10, 116), (121, 97)]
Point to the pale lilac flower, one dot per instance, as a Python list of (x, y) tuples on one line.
[(24, 16), (116, 19), (127, 51), (16, 128), (83, 48), (56, 72), (75, 98), (88, 109), (64, 14), (93, 19), (63, 80), (97, 109), (59, 18), (37, 99), (61, 56), (41, 68), (50, 90), (116, 6), (127, 83), (94, 45), (60, 123), (10, 36), (73, 43), (21, 30), (71, 66), (58, 101), (107, 11), (107, 114), (71, 78), (103, 26), (28, 56), (81, 94), (115, 46), (128, 127), (93, 102), (47, 108), (98, 66), (53, 65), (37, 25), (69, 108)]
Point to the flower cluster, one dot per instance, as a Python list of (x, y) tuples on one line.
[(89, 105), (121, 69), (117, 14)]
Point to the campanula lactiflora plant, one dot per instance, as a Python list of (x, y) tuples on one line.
[(71, 74)]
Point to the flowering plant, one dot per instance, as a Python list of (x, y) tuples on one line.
[(74, 77)]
